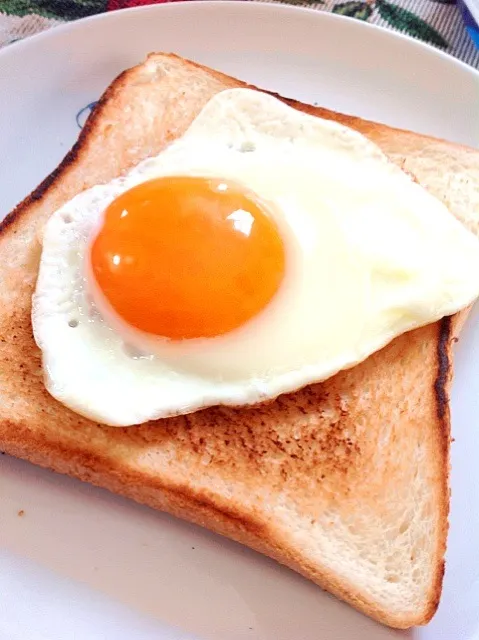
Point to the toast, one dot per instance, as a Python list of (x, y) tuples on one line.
[(345, 481)]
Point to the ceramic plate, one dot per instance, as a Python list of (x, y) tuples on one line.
[(78, 563)]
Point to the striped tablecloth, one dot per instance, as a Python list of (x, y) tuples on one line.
[(437, 22)]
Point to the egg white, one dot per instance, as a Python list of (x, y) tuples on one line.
[(370, 254)]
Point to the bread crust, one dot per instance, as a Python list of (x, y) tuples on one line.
[(184, 465)]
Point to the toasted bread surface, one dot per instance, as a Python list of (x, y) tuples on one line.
[(344, 481)]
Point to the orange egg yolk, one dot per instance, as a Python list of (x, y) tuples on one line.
[(187, 257)]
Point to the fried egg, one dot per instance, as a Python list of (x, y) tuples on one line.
[(263, 250)]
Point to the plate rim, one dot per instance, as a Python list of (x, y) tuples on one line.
[(253, 5)]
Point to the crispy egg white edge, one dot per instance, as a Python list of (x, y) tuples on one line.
[(222, 392)]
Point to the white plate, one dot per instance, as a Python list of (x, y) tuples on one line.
[(82, 564)]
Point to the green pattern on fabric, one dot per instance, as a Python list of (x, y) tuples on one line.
[(410, 23), (24, 8), (359, 10), (64, 10)]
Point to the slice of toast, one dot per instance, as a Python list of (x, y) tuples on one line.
[(344, 481)]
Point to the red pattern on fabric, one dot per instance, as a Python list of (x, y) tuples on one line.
[(113, 5)]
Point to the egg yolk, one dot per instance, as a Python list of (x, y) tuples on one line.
[(187, 257)]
